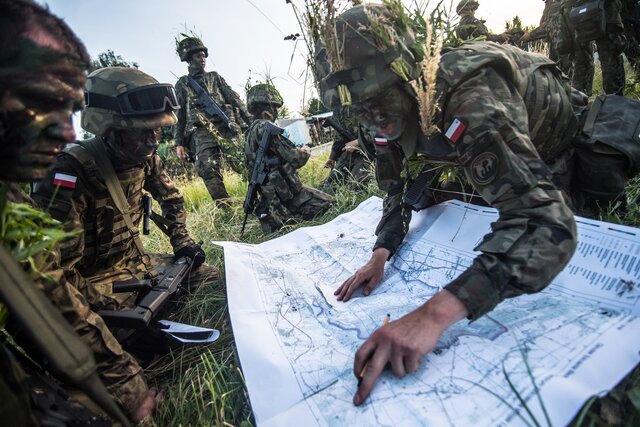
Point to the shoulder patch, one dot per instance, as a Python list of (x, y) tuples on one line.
[(64, 180), (381, 141), (484, 168), (456, 130)]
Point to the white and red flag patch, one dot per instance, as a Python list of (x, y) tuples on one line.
[(64, 180), (381, 141), (456, 130)]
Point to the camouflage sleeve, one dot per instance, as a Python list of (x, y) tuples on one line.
[(69, 205), (396, 215), (159, 184), (179, 131), (535, 235), (289, 153)]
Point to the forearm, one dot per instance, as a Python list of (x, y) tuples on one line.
[(530, 244), (394, 224)]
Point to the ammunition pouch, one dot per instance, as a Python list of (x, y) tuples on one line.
[(418, 195), (608, 148), (588, 21)]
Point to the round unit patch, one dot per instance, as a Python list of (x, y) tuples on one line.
[(484, 168)]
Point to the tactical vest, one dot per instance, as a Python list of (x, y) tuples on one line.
[(107, 239), (546, 93)]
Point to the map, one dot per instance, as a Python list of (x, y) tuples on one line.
[(296, 342)]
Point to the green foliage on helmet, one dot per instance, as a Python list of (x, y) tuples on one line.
[(110, 85), (188, 46), (263, 93), (466, 6), (379, 49)]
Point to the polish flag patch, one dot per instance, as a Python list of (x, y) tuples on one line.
[(456, 130), (64, 180), (381, 141)]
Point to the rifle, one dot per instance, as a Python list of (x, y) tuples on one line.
[(152, 297), (260, 170), (342, 131), (146, 214), (208, 105)]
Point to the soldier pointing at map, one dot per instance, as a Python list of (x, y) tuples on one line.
[(486, 121)]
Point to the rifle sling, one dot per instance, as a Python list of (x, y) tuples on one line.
[(96, 148)]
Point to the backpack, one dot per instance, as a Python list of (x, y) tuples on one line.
[(608, 147), (588, 20)]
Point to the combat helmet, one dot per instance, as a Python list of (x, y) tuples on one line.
[(263, 93), (188, 46), (369, 65), (466, 6), (126, 98)]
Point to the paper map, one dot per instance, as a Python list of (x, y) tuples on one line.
[(296, 343)]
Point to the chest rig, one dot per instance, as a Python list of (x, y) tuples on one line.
[(111, 226)]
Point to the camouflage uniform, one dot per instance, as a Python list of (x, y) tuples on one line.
[(350, 166), (609, 50), (513, 148), (118, 370), (283, 196), (551, 19), (105, 250), (192, 130)]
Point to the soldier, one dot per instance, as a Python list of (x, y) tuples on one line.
[(282, 196), (209, 138), (43, 70), (554, 28), (125, 110), (504, 116), (470, 27), (609, 40)]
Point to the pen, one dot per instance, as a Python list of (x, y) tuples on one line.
[(366, 365)]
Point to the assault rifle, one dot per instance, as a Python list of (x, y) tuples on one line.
[(260, 170), (208, 105), (152, 296), (344, 133)]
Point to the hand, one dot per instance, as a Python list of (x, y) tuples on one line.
[(525, 37), (405, 341), (180, 151), (351, 146), (369, 275), (305, 149), (194, 252), (329, 163), (142, 415)]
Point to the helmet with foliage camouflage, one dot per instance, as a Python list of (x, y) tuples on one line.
[(263, 93), (378, 52), (189, 45), (466, 6), (126, 98)]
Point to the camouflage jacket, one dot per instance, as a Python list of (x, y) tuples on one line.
[(83, 202), (284, 159), (190, 115), (118, 370), (507, 115)]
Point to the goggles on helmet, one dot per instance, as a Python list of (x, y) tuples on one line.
[(150, 99)]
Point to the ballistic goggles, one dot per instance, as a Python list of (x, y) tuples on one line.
[(151, 99)]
